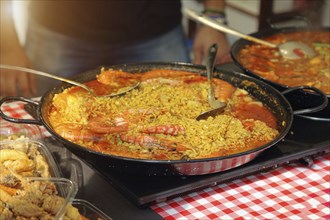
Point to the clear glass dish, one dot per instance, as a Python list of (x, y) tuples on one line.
[(89, 211), (38, 198), (38, 159), (13, 131)]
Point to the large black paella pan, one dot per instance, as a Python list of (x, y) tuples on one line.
[(272, 98)]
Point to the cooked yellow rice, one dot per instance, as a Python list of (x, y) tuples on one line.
[(163, 102)]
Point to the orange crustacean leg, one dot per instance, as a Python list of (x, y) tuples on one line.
[(151, 141), (165, 129), (223, 90)]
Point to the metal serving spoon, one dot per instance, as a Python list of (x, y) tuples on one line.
[(217, 106), (289, 50), (23, 69)]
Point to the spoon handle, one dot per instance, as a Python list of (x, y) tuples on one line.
[(209, 68), (210, 60), (23, 69), (220, 27)]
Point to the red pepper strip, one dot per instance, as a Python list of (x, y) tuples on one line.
[(299, 52)]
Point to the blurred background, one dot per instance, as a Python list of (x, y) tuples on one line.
[(247, 16)]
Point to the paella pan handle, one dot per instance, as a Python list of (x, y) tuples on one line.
[(312, 109), (299, 21), (19, 120)]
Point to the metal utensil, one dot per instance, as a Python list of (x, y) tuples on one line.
[(217, 106), (23, 69), (289, 50)]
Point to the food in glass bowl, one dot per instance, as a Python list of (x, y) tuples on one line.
[(31, 186), (36, 198), (26, 158)]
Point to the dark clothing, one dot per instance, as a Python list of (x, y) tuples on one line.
[(112, 21)]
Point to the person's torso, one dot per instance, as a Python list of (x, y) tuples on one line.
[(114, 21)]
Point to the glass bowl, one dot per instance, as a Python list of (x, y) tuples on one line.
[(89, 211), (13, 131), (28, 158), (38, 198)]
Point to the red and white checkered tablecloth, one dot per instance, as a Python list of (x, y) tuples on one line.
[(16, 110), (288, 192)]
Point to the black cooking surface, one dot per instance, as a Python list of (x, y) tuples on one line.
[(306, 140)]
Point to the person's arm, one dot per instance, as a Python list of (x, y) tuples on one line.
[(206, 36), (12, 53)]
